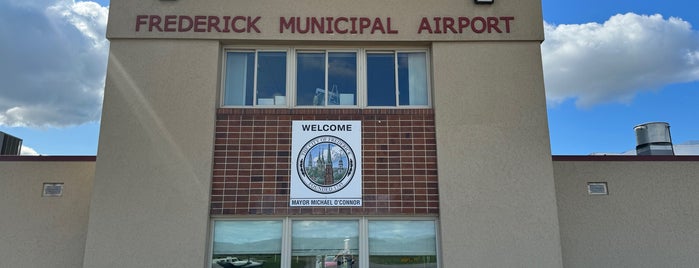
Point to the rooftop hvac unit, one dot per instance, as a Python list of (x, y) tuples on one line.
[(9, 145), (653, 139)]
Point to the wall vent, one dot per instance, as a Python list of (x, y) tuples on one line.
[(597, 188), (53, 189)]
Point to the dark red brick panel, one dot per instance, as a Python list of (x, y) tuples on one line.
[(252, 156)]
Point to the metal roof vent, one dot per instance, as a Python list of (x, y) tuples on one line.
[(653, 139), (10, 145)]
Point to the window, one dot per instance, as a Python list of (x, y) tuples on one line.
[(247, 243), (396, 78), (337, 243), (395, 244), (326, 78), (255, 78), (324, 244), (292, 77)]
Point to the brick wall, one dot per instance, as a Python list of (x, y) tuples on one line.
[(252, 161)]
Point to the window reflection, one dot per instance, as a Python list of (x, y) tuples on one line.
[(322, 244), (241, 74), (411, 89), (327, 78), (342, 78), (395, 244), (240, 77), (312, 72), (271, 78), (381, 79), (247, 244), (412, 78), (310, 79)]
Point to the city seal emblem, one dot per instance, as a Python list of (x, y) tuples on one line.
[(326, 164)]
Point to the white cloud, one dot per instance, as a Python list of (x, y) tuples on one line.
[(54, 58), (611, 62), (25, 150)]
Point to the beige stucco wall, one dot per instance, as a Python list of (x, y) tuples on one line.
[(153, 174), (38, 231), (497, 201), (649, 219), (150, 203)]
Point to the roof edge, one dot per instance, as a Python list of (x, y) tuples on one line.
[(52, 158), (647, 158)]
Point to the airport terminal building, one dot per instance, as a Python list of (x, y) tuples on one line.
[(320, 134)]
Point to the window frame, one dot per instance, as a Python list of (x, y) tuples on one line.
[(212, 235), (326, 52), (363, 225), (256, 52), (361, 69), (435, 231)]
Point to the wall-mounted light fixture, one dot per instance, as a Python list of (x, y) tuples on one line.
[(484, 1)]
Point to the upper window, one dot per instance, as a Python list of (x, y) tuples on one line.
[(256, 78), (396, 78), (326, 78)]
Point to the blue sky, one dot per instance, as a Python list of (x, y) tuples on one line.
[(595, 110), (608, 65)]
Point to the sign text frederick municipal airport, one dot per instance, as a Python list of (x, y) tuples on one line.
[(321, 25)]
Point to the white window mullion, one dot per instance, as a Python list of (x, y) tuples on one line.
[(428, 72), (254, 91), (211, 242), (438, 242), (327, 88), (286, 243), (363, 243), (395, 77), (291, 77), (361, 77), (362, 71)]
